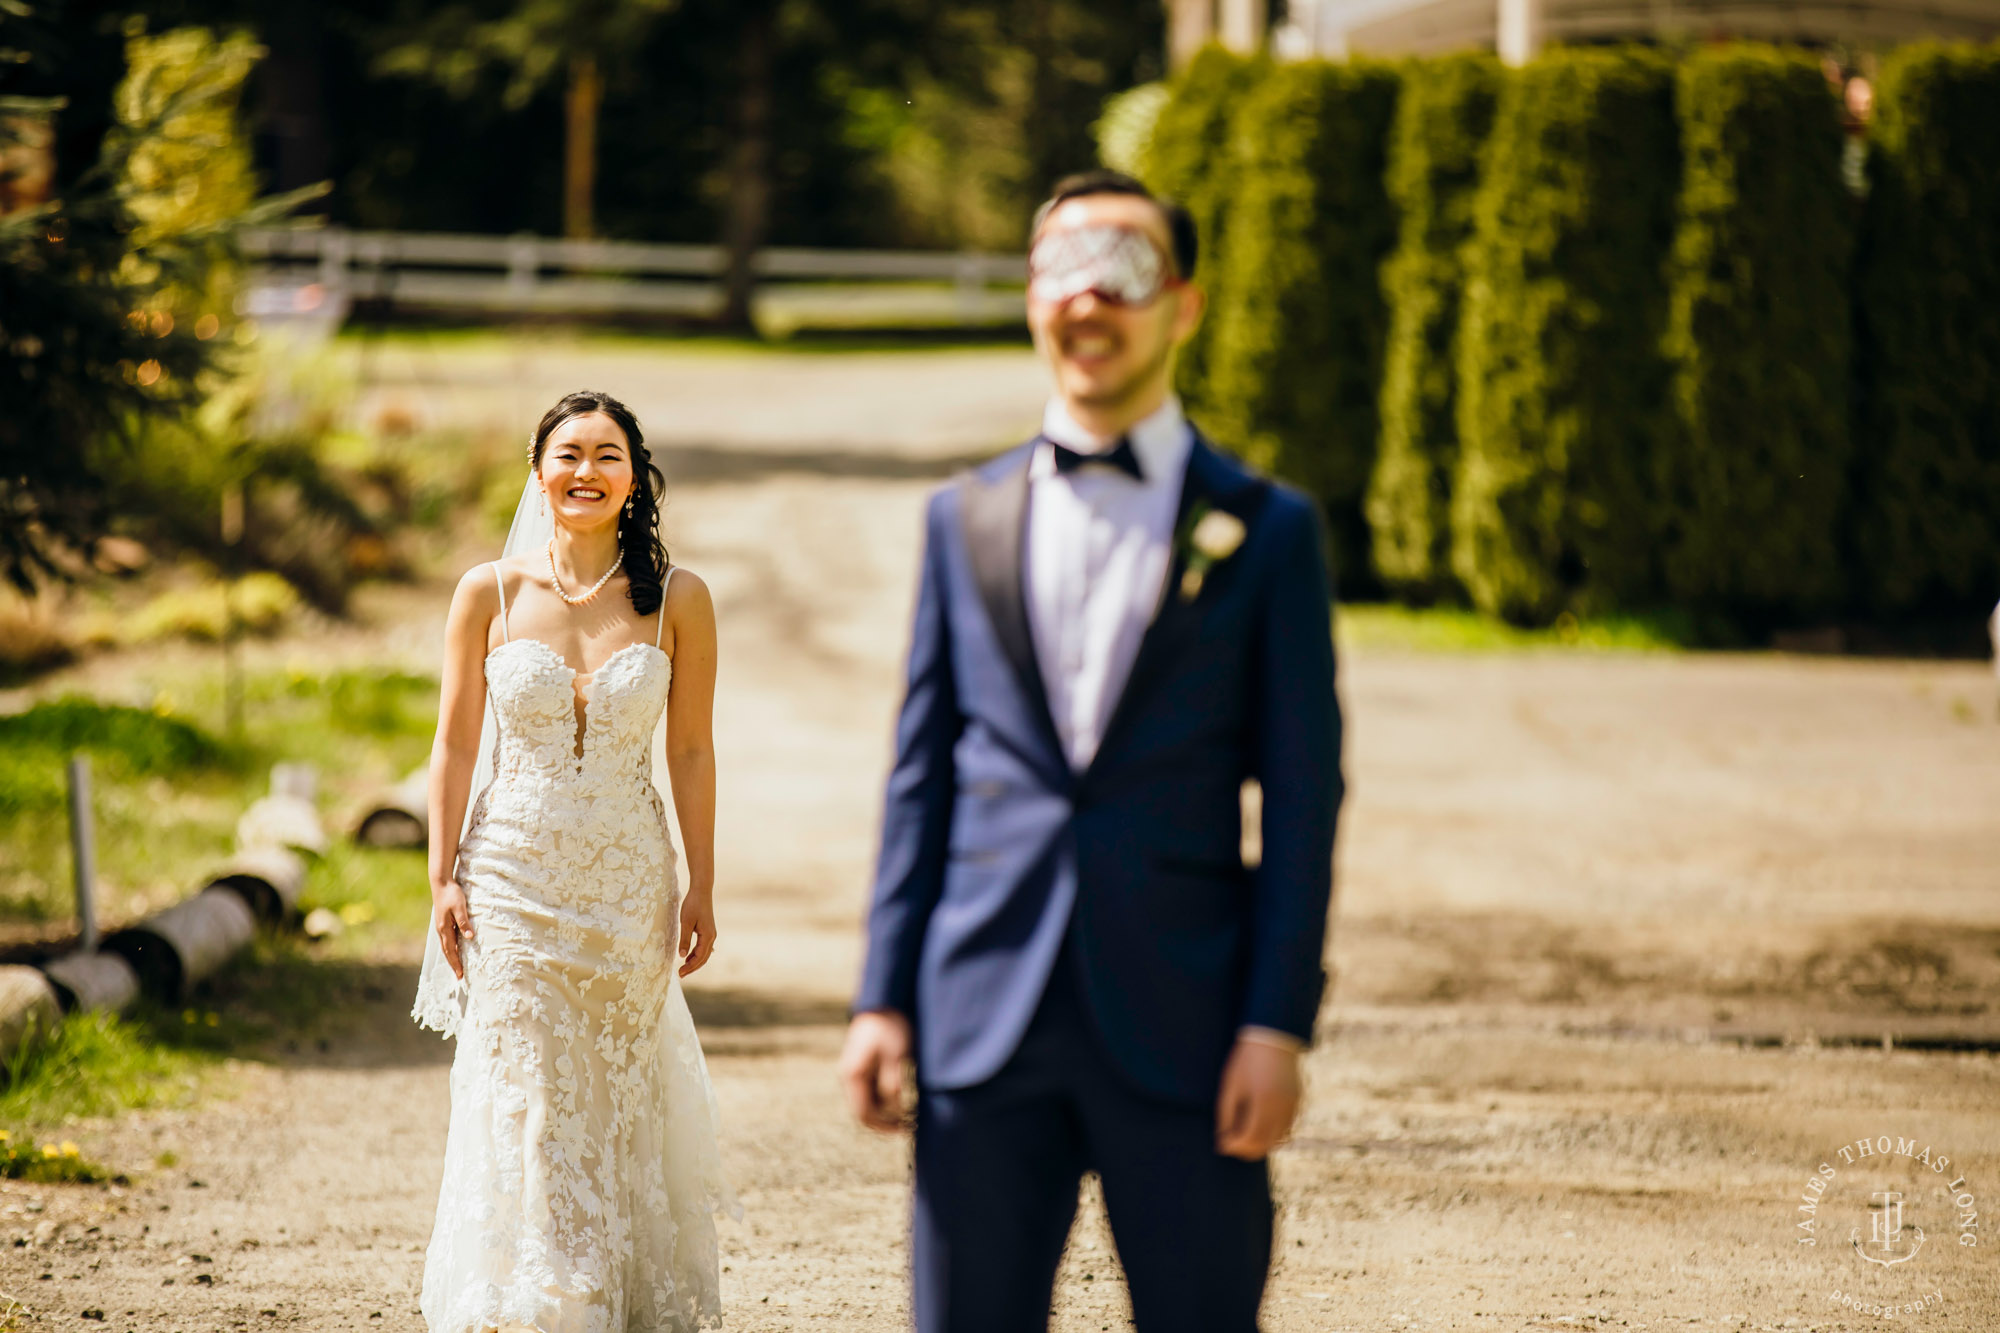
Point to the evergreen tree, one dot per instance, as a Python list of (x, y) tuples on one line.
[(1442, 121)]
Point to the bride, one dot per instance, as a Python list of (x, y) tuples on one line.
[(581, 1174)]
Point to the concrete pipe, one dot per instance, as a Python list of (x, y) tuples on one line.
[(282, 821), (186, 943), (93, 981), (400, 817), (27, 1007), (270, 879)]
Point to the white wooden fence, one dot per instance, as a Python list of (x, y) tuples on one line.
[(318, 273)]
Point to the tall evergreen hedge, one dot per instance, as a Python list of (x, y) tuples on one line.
[(1189, 158), (1443, 117), (1300, 318), (1759, 336), (1561, 378), (1927, 480)]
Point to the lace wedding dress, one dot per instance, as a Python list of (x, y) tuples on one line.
[(581, 1175)]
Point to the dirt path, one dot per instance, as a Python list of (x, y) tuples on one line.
[(1562, 879)]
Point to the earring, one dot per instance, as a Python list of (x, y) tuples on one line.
[(541, 502)]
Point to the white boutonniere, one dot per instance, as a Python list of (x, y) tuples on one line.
[(1210, 537)]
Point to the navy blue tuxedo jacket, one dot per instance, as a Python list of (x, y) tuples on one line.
[(993, 848)]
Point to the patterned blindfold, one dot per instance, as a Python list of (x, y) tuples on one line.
[(1121, 265)]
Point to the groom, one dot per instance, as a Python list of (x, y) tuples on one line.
[(1116, 626)]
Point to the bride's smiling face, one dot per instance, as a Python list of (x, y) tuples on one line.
[(586, 471)]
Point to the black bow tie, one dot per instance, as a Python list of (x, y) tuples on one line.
[(1121, 457)]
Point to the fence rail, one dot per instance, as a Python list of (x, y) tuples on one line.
[(320, 272)]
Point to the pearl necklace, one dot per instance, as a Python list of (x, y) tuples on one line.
[(583, 597)]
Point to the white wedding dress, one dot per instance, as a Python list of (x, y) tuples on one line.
[(581, 1175)]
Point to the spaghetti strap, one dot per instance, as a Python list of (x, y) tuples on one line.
[(664, 585), (504, 636)]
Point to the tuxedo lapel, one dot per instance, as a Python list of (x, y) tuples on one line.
[(995, 513), (1213, 482)]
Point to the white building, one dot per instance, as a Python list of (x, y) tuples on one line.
[(1519, 28)]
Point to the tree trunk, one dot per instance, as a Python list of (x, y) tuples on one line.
[(749, 168), (584, 96)]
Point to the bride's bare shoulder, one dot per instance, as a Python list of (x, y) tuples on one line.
[(478, 592), (687, 594), (513, 570)]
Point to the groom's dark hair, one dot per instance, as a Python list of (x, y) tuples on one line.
[(1180, 223)]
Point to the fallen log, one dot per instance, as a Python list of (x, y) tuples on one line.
[(92, 981), (189, 941)]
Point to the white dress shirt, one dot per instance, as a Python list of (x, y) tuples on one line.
[(1099, 545), (1097, 550)]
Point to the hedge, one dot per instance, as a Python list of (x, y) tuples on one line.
[(1443, 118), (1927, 475), (1562, 384), (1760, 338), (1188, 158), (1299, 318)]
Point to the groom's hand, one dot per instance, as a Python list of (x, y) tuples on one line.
[(1261, 1091), (872, 1069)]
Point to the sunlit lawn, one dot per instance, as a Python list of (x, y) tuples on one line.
[(169, 782), (169, 785), (1443, 629)]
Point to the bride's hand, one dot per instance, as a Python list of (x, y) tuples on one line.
[(697, 930), (451, 918)]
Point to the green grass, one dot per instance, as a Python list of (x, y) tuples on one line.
[(1455, 630), (377, 892), (96, 1065), (168, 784), (168, 787)]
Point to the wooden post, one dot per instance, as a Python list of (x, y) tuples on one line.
[(1242, 25), (1520, 31), (1190, 26), (83, 851)]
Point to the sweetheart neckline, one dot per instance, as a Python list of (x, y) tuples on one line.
[(563, 662)]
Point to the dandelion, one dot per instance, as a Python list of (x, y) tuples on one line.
[(69, 1149), (212, 1019)]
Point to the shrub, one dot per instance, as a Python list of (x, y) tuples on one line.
[(1561, 379), (1297, 359), (1189, 158), (136, 740), (1759, 337), (1443, 118), (1927, 476), (1126, 127), (261, 603)]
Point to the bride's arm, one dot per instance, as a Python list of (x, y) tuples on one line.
[(691, 758), (461, 708)]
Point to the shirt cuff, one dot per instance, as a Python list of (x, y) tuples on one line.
[(1284, 1041)]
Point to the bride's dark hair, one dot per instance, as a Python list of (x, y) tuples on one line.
[(638, 522)]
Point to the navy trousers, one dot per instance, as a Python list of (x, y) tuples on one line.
[(998, 1166)]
